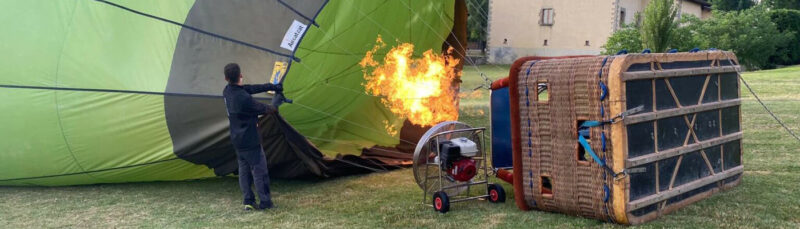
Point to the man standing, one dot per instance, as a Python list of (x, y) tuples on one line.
[(243, 112)]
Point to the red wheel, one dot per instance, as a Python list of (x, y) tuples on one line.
[(493, 195), (496, 193), (441, 203)]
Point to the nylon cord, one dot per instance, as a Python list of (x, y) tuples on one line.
[(785, 127)]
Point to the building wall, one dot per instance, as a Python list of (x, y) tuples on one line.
[(514, 29), (693, 8), (575, 22)]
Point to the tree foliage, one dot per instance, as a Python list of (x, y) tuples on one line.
[(628, 38), (477, 19), (759, 37), (659, 24), (732, 5), (782, 4), (787, 21), (751, 34)]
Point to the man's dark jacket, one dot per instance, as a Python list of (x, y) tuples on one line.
[(243, 112)]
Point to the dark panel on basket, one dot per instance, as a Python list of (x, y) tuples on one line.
[(732, 179), (639, 93), (671, 132), (712, 91), (639, 67), (706, 125), (664, 99), (670, 65), (729, 86), (641, 139), (714, 155), (691, 193), (730, 120), (665, 169), (688, 88), (732, 152), (645, 210), (692, 167), (643, 181), (726, 62), (686, 64)]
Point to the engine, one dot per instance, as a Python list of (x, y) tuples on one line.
[(456, 158)]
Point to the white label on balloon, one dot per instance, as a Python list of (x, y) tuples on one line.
[(292, 36)]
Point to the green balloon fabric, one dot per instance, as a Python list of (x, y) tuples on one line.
[(94, 93)]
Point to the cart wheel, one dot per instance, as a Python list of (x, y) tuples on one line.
[(440, 202), (496, 193)]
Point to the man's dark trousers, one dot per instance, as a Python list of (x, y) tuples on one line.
[(253, 169)]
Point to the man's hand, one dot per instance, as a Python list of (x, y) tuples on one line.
[(278, 87)]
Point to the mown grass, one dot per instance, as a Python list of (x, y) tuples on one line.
[(767, 198)]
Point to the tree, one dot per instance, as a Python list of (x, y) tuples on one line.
[(659, 24), (751, 34), (732, 5), (787, 21), (628, 38), (477, 21), (783, 4)]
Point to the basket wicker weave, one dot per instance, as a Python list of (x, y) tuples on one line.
[(684, 146)]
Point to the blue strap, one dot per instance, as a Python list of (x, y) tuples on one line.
[(600, 72), (589, 150), (672, 51), (695, 50), (624, 51), (597, 160), (604, 91), (647, 51), (592, 123), (603, 140)]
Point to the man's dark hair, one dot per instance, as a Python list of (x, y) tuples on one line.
[(232, 73)]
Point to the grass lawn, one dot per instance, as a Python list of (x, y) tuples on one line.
[(769, 196)]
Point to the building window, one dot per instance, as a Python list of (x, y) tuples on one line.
[(545, 42), (587, 43), (621, 17), (546, 16)]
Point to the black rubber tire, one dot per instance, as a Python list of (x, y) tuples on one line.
[(441, 203), (496, 193)]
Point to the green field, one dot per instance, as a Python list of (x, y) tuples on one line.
[(769, 196)]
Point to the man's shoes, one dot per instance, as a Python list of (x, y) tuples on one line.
[(249, 207), (266, 205)]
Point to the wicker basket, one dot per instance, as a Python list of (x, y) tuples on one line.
[(682, 146)]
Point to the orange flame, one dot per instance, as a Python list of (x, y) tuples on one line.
[(419, 89)]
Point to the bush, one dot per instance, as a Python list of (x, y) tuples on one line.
[(750, 34), (787, 21), (627, 38), (759, 38), (683, 38)]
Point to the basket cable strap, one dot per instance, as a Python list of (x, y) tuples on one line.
[(596, 158), (594, 123)]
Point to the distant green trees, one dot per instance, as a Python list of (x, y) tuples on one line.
[(782, 4), (761, 37), (477, 21), (732, 5)]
